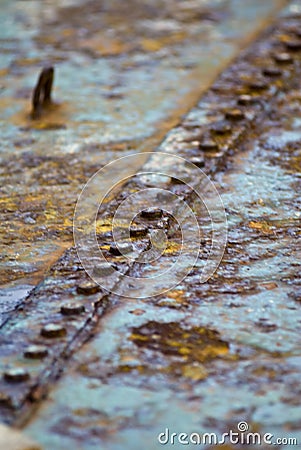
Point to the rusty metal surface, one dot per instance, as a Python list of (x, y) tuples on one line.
[(203, 356), (121, 81)]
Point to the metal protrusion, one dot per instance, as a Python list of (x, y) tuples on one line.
[(258, 85), (293, 45), (197, 161), (272, 72), (88, 288), (217, 154), (16, 375), (234, 114), (245, 99), (6, 400), (264, 323), (208, 145), (283, 58), (152, 213), (70, 309), (53, 330), (121, 249), (221, 128), (36, 352), (138, 231), (42, 92), (103, 269)]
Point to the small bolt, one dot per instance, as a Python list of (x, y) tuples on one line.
[(208, 145), (199, 162), (151, 213), (6, 400), (221, 128), (258, 85), (121, 249), (245, 99), (103, 269), (272, 72), (16, 375), (293, 45), (214, 154), (88, 288), (234, 114), (53, 330), (136, 231), (264, 323), (70, 309), (36, 352), (283, 58)]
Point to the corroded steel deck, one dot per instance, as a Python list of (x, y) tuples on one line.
[(201, 357)]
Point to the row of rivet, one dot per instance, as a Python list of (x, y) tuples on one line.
[(235, 114), (53, 330)]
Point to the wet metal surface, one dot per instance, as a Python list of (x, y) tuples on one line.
[(201, 357)]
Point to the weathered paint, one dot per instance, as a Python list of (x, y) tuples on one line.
[(123, 77), (244, 336), (204, 357)]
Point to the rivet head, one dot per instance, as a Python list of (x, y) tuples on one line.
[(152, 213), (16, 375), (137, 231), (199, 162), (293, 45), (272, 72), (245, 99), (221, 128), (268, 326), (234, 114), (6, 400), (258, 85), (121, 249), (53, 330), (283, 58), (217, 154), (70, 309), (208, 145), (88, 288), (36, 352), (103, 269)]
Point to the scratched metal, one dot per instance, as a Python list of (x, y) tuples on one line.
[(203, 357)]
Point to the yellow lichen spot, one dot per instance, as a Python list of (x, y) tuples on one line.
[(139, 337), (68, 32), (51, 214), (104, 46), (103, 226), (172, 248), (3, 72), (195, 372), (262, 226), (151, 45), (176, 294), (284, 38), (184, 351)]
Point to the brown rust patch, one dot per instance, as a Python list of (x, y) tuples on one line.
[(194, 344)]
